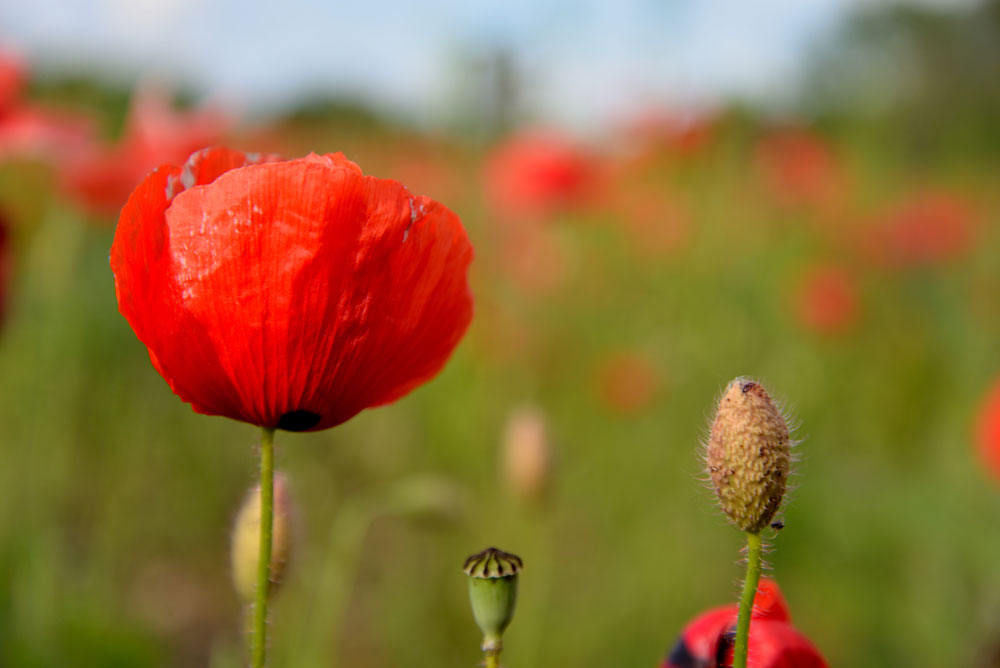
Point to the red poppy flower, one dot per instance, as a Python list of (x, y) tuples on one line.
[(101, 176), (707, 642), (800, 168), (627, 382), (827, 300), (532, 175), (32, 131), (925, 228), (11, 78), (988, 431), (289, 294)]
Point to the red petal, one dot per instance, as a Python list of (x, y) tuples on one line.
[(775, 644), (299, 287), (769, 602)]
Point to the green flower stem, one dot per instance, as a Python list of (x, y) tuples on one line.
[(258, 651), (746, 602), (492, 658)]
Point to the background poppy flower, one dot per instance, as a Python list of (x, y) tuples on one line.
[(925, 228), (101, 176), (31, 131), (289, 294), (11, 78), (800, 168), (827, 299), (627, 382), (707, 642), (534, 174), (988, 431)]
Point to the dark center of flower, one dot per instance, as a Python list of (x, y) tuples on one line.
[(681, 656), (298, 420)]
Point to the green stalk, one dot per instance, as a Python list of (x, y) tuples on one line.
[(746, 601), (492, 658), (258, 652)]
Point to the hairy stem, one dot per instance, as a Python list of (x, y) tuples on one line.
[(746, 601), (258, 652)]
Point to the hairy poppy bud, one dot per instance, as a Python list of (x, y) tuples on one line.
[(492, 592), (246, 539), (748, 455)]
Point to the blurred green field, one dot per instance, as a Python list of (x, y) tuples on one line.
[(116, 499)]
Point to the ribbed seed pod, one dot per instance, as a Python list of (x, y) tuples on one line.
[(748, 455), (492, 592)]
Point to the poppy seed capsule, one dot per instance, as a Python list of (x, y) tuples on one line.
[(748, 455), (492, 592), (246, 539)]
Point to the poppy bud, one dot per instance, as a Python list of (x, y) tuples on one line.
[(492, 592), (748, 455), (527, 458), (246, 539)]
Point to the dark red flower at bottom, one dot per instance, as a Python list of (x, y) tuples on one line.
[(289, 294), (707, 642)]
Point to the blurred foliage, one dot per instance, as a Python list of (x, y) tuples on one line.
[(930, 74)]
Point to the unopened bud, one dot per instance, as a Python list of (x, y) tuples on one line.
[(246, 539), (492, 592), (749, 455), (527, 454)]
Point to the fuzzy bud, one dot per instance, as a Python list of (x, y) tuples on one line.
[(527, 455), (492, 592), (246, 539), (748, 455)]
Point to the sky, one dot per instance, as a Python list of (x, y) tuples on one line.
[(580, 62)]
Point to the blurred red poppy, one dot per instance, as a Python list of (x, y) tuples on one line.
[(101, 176), (627, 382), (289, 294), (34, 132), (11, 78), (533, 175), (925, 228), (31, 131), (827, 299), (799, 168), (707, 642), (988, 431)]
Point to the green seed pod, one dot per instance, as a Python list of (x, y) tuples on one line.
[(492, 592), (246, 539), (748, 455)]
